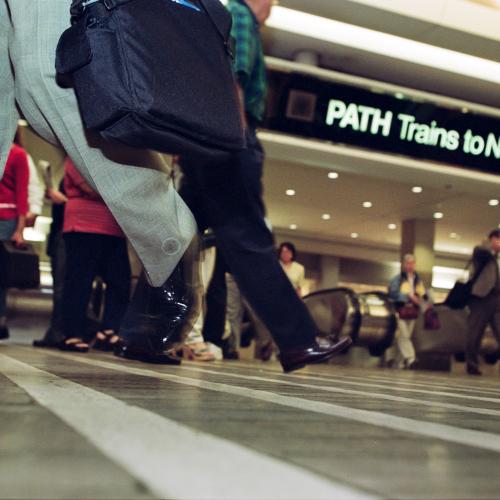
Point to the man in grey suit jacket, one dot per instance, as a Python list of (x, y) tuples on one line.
[(484, 304), (134, 184)]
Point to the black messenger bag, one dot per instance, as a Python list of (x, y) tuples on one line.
[(155, 74), (19, 266)]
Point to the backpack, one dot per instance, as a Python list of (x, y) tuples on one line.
[(155, 74)]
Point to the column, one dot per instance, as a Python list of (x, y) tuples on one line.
[(330, 272), (417, 238)]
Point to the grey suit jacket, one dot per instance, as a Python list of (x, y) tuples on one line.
[(487, 280), (8, 110)]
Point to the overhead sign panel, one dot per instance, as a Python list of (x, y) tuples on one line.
[(313, 108)]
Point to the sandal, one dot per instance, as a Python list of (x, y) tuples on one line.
[(105, 340), (197, 352), (74, 345)]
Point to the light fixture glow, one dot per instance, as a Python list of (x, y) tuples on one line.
[(333, 175), (290, 192), (354, 235), (493, 203), (326, 216), (404, 49), (416, 189), (453, 236), (293, 227), (392, 227), (438, 215), (367, 204)]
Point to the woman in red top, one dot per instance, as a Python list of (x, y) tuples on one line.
[(95, 246), (13, 210)]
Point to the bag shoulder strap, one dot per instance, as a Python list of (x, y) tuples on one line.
[(221, 19)]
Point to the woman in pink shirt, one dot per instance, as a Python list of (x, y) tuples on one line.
[(95, 246), (13, 209)]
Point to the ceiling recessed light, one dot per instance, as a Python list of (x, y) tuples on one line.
[(392, 227), (416, 189), (354, 235), (367, 204), (493, 203), (438, 215), (326, 216), (399, 95), (290, 192), (293, 227), (333, 175)]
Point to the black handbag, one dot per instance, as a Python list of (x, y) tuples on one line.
[(459, 295), (155, 74), (19, 266)]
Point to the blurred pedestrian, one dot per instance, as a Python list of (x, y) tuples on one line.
[(408, 293), (94, 246), (484, 304), (295, 271), (13, 210)]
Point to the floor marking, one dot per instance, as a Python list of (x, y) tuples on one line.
[(339, 378), (388, 397), (443, 432), (392, 387), (164, 454)]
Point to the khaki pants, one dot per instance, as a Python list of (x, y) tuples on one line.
[(402, 351)]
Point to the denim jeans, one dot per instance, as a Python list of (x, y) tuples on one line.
[(7, 229)]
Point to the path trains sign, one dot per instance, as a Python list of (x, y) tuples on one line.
[(392, 123)]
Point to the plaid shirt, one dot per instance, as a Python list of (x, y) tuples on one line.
[(249, 58)]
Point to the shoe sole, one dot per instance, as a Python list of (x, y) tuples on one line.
[(342, 345)]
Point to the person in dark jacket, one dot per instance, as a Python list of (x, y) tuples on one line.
[(484, 304)]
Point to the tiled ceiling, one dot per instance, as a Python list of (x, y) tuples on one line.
[(467, 218)]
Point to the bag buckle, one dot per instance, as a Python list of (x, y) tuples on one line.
[(79, 7)]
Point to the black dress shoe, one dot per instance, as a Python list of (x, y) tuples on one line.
[(473, 370), (137, 353), (4, 333), (318, 351), (229, 350), (46, 343)]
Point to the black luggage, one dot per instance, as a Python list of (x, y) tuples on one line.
[(459, 295), (155, 74), (19, 267)]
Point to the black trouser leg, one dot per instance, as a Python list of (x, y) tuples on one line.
[(481, 313), (216, 300), (232, 201), (116, 274), (55, 333), (83, 252)]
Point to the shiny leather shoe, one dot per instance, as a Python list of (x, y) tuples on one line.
[(138, 353), (318, 351), (159, 318), (46, 343)]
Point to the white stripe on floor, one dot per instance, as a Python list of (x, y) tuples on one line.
[(165, 455), (392, 381), (452, 434), (340, 390), (393, 386)]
